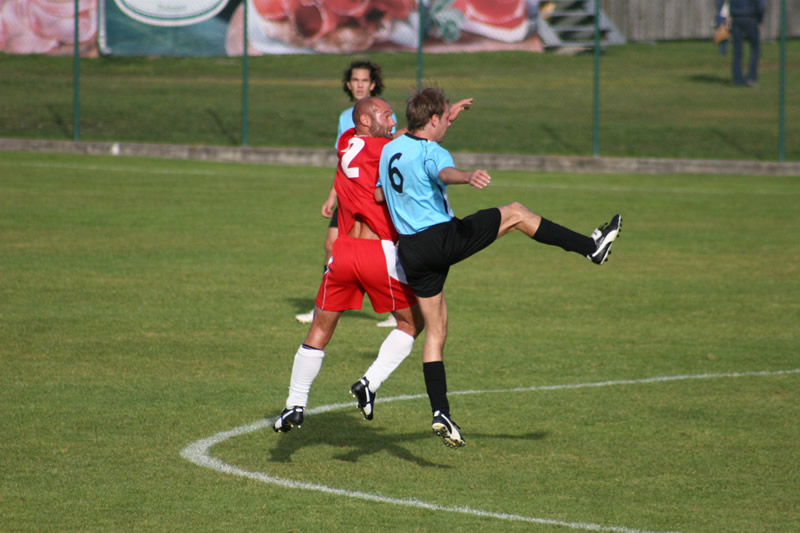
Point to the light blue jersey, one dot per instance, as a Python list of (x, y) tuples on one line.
[(409, 174), (346, 122)]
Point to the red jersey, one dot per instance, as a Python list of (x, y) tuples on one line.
[(356, 176)]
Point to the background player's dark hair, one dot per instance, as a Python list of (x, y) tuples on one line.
[(375, 75)]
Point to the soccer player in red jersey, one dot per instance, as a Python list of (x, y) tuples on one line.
[(364, 260)]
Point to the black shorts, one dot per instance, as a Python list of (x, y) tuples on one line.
[(427, 256), (334, 219)]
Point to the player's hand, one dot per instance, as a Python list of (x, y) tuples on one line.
[(458, 107), (479, 179), (328, 207)]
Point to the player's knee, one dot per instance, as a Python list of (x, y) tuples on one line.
[(524, 213), (419, 324), (512, 214), (408, 328), (409, 321)]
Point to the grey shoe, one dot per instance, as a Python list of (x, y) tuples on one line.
[(305, 318), (390, 322)]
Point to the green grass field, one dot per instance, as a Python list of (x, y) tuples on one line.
[(670, 99), (146, 305)]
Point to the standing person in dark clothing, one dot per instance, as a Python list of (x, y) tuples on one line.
[(746, 15)]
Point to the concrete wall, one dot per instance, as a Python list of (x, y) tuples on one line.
[(327, 158)]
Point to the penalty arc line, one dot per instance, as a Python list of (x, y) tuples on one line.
[(198, 451)]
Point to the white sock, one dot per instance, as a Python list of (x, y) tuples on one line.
[(393, 351), (307, 364)]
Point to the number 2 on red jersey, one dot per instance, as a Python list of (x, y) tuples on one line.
[(354, 147)]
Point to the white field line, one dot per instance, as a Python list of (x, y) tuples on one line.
[(231, 171), (198, 451), (111, 168), (655, 190)]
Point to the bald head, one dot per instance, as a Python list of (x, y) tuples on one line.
[(373, 117)]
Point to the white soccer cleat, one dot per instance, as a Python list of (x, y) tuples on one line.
[(305, 318), (390, 322)]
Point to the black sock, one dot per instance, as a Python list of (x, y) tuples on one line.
[(551, 233), (436, 384)]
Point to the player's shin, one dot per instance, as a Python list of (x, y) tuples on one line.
[(393, 351), (307, 364)]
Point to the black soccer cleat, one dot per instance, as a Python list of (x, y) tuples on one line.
[(366, 398), (289, 418), (447, 429), (604, 237)]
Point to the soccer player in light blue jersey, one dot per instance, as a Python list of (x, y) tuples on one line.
[(361, 79), (415, 171)]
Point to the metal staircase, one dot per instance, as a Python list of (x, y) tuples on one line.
[(570, 24)]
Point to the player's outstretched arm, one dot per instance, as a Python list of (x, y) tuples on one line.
[(478, 178), (458, 107), (399, 132)]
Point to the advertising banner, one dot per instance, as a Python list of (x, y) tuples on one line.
[(47, 27), (165, 27), (216, 27), (347, 26)]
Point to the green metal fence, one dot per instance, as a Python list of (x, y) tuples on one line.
[(664, 99)]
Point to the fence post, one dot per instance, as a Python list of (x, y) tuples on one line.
[(245, 78), (596, 95), (76, 78), (782, 88), (420, 36)]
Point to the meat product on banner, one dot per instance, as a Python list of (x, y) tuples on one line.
[(347, 26)]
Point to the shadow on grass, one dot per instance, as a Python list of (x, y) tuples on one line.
[(304, 305), (711, 79), (731, 141), (232, 139), (59, 121), (301, 305), (359, 438), (559, 140), (356, 439)]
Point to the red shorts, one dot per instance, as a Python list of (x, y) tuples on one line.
[(364, 265)]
